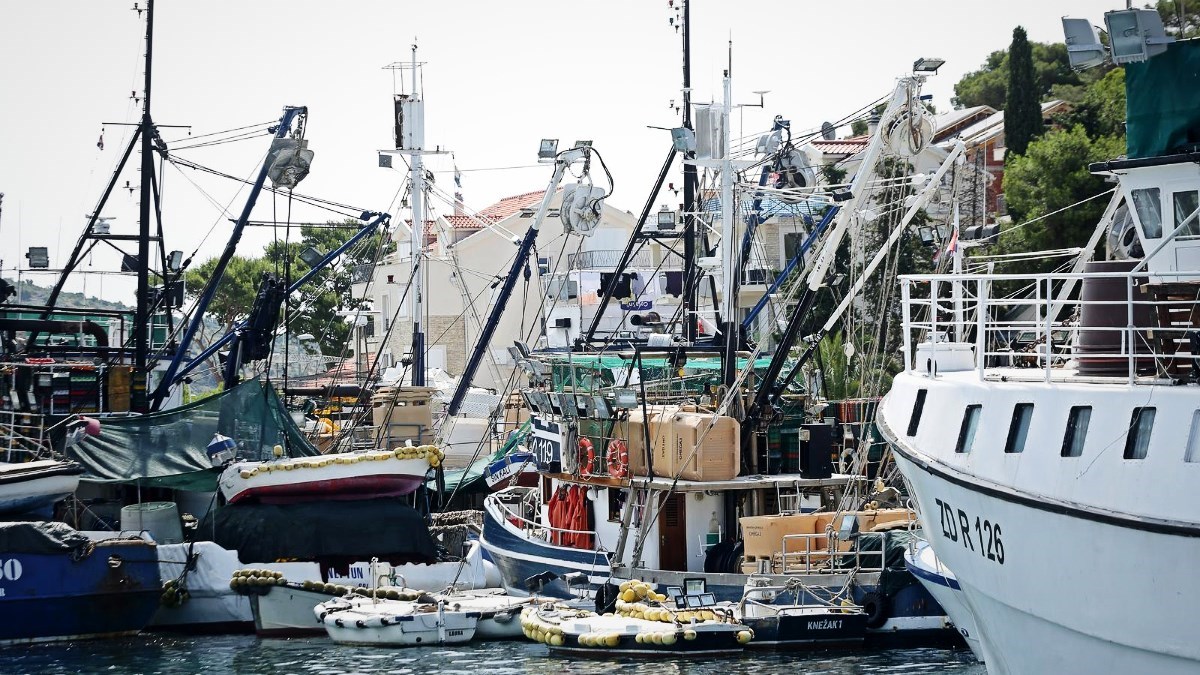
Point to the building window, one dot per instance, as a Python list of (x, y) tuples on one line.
[(1149, 210), (1077, 425), (1018, 430), (1193, 443), (1185, 204), (918, 408), (1137, 443), (966, 434), (792, 241)]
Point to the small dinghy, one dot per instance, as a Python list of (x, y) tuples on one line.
[(357, 620), (499, 612), (642, 624)]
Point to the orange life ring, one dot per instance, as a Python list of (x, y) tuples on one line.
[(618, 458), (586, 468)]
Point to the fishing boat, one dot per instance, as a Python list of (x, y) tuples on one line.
[(33, 488), (346, 475), (1057, 482), (641, 625), (941, 583), (661, 452), (61, 584)]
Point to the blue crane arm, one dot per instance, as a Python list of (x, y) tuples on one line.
[(792, 264)]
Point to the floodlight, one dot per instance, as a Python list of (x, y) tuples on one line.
[(39, 257), (175, 261), (548, 148), (582, 144), (1135, 35), (683, 139), (625, 398), (666, 218), (925, 232), (1083, 43), (928, 65), (311, 256)]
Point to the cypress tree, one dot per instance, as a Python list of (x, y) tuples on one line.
[(1022, 107)]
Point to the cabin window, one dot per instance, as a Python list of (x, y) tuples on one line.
[(966, 434), (1185, 204), (1077, 426), (1193, 443), (1018, 430), (1137, 443), (616, 502), (918, 408), (1149, 210), (562, 288)]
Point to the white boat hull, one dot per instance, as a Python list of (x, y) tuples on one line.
[(394, 623), (1034, 599), (287, 611), (945, 588)]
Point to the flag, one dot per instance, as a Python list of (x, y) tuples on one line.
[(951, 246), (457, 173), (100, 143)]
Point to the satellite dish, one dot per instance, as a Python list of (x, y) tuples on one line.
[(1083, 43), (828, 131), (581, 207)]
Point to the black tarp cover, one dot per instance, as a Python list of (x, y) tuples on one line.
[(39, 537), (385, 528), (167, 449)]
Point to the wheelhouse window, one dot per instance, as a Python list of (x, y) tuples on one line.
[(1185, 204), (966, 433), (1077, 426), (1149, 209), (1193, 442), (918, 407), (1137, 443), (1018, 429)]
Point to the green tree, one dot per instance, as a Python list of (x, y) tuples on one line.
[(1179, 20), (235, 293), (315, 307), (989, 85), (1022, 107), (1053, 174), (1101, 108)]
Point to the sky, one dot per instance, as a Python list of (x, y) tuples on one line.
[(497, 77)]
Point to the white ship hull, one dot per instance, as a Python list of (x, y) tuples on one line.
[(1073, 594)]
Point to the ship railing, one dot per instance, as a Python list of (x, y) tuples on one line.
[(1134, 323), (23, 436), (826, 553), (533, 529)]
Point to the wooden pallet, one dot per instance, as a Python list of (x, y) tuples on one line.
[(1177, 307)]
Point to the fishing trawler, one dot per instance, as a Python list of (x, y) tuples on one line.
[(661, 456), (1046, 473)]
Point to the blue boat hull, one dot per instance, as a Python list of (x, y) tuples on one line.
[(518, 558), (113, 590)]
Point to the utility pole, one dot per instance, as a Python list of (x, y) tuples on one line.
[(141, 327)]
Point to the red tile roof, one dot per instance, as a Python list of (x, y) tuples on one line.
[(843, 146), (492, 214)]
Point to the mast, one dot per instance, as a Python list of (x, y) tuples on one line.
[(690, 284), (730, 250), (141, 328), (418, 230)]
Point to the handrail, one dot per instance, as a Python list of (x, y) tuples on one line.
[(1046, 337)]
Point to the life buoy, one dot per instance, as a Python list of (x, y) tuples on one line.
[(587, 457), (877, 608), (618, 458)]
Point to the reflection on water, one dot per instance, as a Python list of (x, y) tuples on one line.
[(186, 655)]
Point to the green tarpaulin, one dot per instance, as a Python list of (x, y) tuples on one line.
[(1162, 102), (167, 449)]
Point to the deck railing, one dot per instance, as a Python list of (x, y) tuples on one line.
[(1131, 323)]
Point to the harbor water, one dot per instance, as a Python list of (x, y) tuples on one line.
[(167, 654)]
